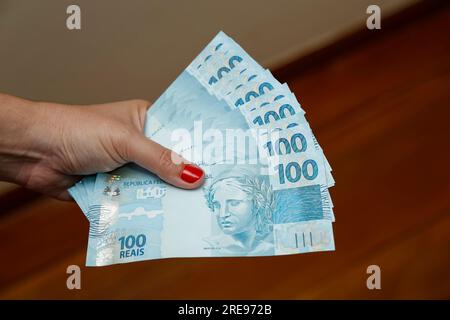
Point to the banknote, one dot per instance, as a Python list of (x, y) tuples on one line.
[(266, 176), (235, 213)]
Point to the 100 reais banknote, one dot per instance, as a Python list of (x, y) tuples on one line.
[(266, 176)]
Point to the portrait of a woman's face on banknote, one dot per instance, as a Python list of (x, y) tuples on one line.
[(239, 201)]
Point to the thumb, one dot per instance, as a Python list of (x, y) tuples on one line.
[(165, 163)]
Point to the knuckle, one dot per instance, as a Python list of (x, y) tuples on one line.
[(142, 104), (141, 108), (165, 160)]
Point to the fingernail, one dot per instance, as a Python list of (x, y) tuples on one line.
[(191, 173)]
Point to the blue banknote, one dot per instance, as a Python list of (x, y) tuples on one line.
[(235, 213), (266, 176)]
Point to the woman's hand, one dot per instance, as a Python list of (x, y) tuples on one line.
[(46, 147)]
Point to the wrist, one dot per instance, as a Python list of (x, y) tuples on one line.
[(27, 134)]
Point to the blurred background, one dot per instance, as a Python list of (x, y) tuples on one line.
[(377, 100)]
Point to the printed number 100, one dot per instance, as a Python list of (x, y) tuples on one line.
[(131, 241), (293, 171)]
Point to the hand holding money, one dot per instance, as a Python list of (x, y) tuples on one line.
[(47, 147), (266, 178)]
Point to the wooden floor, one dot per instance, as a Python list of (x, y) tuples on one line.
[(381, 111)]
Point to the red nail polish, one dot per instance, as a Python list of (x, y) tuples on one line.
[(191, 173)]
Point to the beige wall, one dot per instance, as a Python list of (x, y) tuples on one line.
[(136, 48)]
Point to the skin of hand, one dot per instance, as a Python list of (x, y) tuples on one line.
[(48, 147)]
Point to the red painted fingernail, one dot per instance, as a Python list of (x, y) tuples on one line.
[(191, 173)]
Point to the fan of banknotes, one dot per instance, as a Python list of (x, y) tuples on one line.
[(266, 176)]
